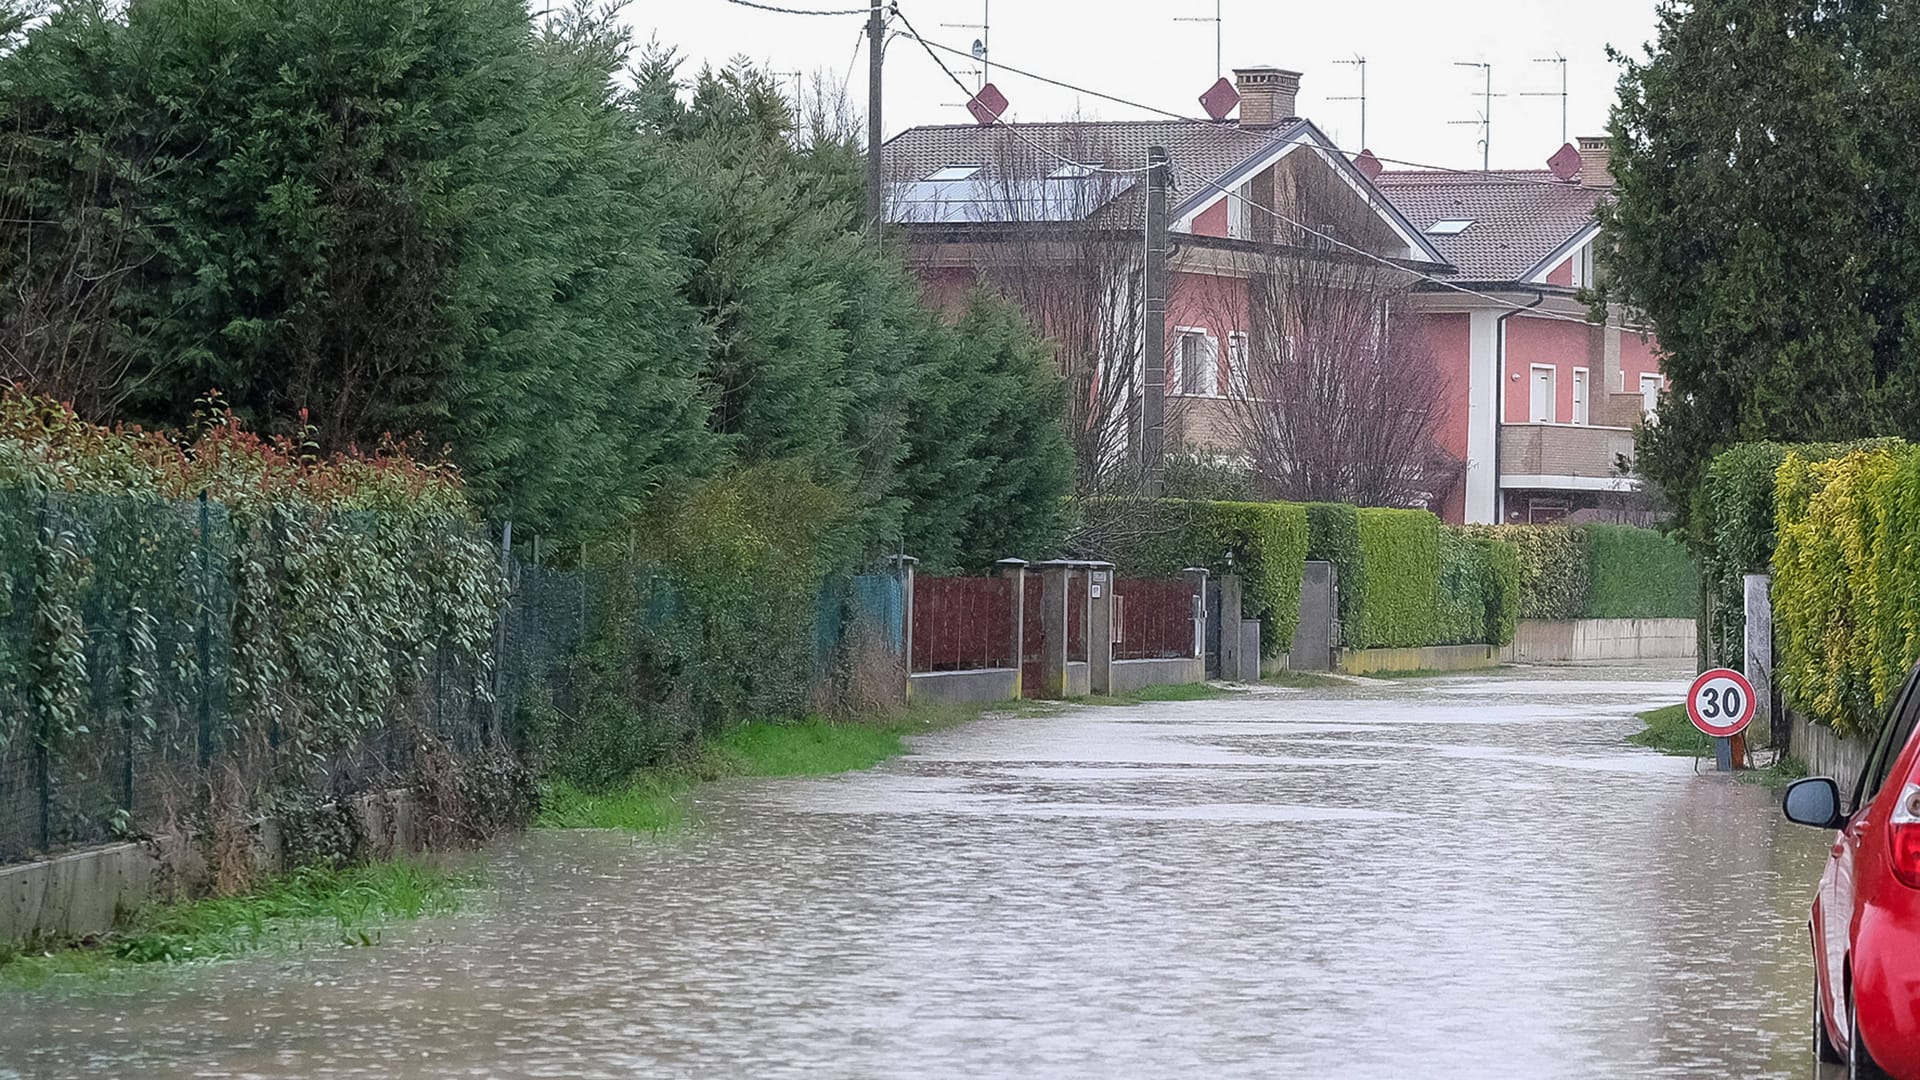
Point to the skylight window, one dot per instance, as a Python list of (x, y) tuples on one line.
[(1072, 172), (954, 172), (1450, 227)]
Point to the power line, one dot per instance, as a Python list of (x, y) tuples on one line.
[(1253, 133), (797, 11)]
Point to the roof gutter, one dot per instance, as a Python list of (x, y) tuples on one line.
[(1500, 397)]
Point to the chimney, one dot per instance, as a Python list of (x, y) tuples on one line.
[(1268, 95), (1595, 169)]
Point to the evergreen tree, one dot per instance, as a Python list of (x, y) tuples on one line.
[(1768, 222)]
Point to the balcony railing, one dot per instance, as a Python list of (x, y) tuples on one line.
[(1559, 450)]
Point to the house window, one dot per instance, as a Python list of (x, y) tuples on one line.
[(1196, 364), (1240, 212), (1238, 383), (1450, 227), (1650, 393), (952, 173), (1580, 408), (1583, 267), (1540, 395)]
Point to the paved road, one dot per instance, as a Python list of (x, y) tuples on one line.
[(1461, 877)]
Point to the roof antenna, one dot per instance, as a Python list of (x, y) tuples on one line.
[(1360, 62), (985, 70), (1485, 123), (1556, 58), (1219, 64)]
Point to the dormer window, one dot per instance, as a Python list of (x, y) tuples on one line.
[(1072, 172), (954, 172), (1450, 227)]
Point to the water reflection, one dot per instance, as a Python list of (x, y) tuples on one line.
[(1463, 878)]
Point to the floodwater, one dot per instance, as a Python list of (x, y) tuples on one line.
[(1459, 877)]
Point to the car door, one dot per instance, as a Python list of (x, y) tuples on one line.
[(1837, 886)]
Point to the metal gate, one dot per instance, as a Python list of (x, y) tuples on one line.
[(1315, 636), (1213, 628)]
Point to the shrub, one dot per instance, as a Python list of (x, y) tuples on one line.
[(1400, 550), (1732, 530), (1503, 591), (1553, 567), (1847, 582), (1638, 574), (1460, 603), (1333, 536), (1268, 540)]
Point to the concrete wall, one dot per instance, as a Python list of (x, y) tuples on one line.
[(1130, 675), (1430, 658), (965, 687), (83, 893), (1549, 641), (1079, 678), (1827, 754)]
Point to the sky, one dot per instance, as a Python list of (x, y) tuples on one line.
[(1135, 49)]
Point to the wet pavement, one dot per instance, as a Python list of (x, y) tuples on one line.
[(1468, 876)]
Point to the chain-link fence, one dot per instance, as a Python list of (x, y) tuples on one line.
[(132, 653)]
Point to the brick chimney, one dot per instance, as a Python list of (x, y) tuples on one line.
[(1595, 170), (1268, 95)]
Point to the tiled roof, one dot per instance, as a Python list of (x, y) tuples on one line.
[(1519, 216), (1200, 153)]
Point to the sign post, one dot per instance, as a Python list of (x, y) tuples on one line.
[(1721, 703)]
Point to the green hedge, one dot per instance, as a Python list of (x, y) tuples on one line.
[(1503, 590), (1479, 595), (1733, 529), (1400, 550), (1847, 582), (1333, 536), (1268, 542), (1639, 574), (1554, 580)]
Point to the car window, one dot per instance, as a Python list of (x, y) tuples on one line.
[(1893, 738)]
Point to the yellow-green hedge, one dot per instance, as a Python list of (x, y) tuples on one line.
[(1846, 589)]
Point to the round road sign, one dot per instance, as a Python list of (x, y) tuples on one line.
[(1720, 702)]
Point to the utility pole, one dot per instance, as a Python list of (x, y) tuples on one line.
[(1153, 336), (1219, 51), (1556, 58), (876, 170), (1485, 123), (1360, 62)]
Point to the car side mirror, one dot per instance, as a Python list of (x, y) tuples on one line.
[(1814, 801)]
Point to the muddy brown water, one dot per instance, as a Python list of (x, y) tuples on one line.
[(1459, 877)]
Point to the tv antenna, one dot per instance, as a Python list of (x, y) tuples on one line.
[(1485, 122), (1219, 66), (980, 43), (1556, 58), (1360, 62)]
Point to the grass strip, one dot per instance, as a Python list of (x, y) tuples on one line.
[(1669, 731), (312, 904)]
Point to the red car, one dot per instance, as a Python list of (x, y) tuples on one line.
[(1866, 917)]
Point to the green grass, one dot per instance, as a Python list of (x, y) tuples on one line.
[(1785, 770), (1178, 692), (346, 907), (656, 800), (1669, 731), (1303, 680)]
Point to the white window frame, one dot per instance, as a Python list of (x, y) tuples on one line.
[(1553, 392), (1240, 212), (1180, 360), (1238, 386), (1582, 396), (1583, 266), (1649, 407)]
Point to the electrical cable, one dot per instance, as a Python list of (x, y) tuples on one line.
[(800, 11)]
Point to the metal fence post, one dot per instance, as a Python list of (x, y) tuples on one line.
[(203, 635), (500, 631), (42, 760)]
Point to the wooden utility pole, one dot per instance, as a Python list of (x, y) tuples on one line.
[(876, 171), (1153, 335)]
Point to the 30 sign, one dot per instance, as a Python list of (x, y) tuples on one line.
[(1720, 703)]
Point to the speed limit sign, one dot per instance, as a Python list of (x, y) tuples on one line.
[(1720, 702)]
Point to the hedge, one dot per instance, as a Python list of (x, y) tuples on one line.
[(1638, 574), (1400, 550), (1847, 582), (1554, 582), (1733, 529), (1268, 542)]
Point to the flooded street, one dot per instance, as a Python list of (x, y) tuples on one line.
[(1459, 877)]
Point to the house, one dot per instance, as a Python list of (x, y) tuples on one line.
[(1545, 400), (1053, 213)]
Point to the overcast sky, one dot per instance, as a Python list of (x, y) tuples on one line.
[(1135, 49)]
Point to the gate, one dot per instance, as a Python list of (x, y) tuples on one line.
[(1213, 628), (1317, 633)]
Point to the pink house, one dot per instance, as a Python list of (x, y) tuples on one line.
[(1539, 401)]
